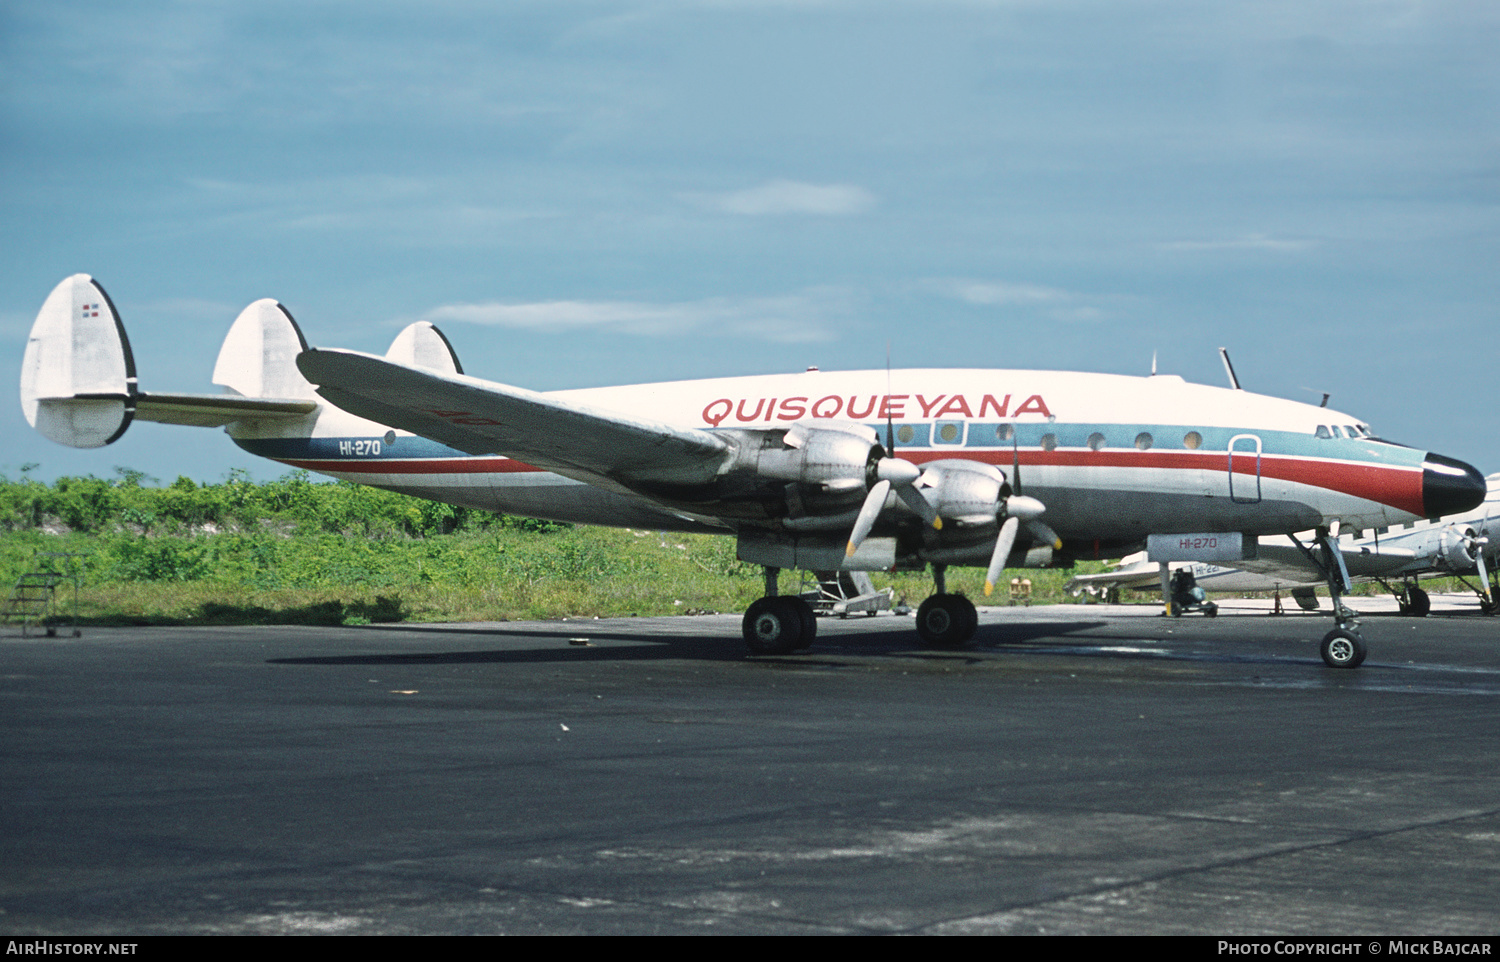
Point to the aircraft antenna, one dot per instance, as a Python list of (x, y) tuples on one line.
[(1153, 364), (1234, 382), (890, 432)]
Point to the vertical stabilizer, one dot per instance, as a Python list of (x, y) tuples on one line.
[(259, 356), (78, 377), (423, 345)]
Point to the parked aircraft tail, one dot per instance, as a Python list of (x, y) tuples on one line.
[(78, 378)]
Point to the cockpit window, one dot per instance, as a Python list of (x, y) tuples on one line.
[(1323, 432), (1350, 430)]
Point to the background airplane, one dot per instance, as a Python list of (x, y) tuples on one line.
[(792, 465), (1464, 545)]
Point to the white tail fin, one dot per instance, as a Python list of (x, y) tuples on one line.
[(78, 383), (78, 378), (259, 356), (423, 345)]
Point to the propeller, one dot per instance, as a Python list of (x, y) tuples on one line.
[(886, 473), (1477, 544), (1017, 509)]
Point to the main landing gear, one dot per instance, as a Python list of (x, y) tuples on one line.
[(779, 624), (944, 620), (782, 624)]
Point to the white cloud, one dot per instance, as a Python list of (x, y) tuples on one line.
[(980, 292), (1250, 242), (790, 197), (791, 319), (1053, 302)]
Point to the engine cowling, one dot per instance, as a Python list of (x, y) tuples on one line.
[(810, 477), (963, 492), (1457, 548)]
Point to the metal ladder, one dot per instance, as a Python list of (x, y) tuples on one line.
[(33, 600)]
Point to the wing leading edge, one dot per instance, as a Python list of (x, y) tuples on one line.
[(483, 417)]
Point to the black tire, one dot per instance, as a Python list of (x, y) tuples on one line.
[(1417, 602), (943, 619), (1211, 610), (970, 616), (772, 626), (809, 623), (1343, 648)]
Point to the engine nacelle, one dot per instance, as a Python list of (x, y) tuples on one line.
[(822, 472), (1457, 548), (963, 492)]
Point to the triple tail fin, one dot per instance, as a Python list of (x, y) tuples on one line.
[(78, 380)]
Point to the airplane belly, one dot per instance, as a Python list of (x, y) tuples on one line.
[(486, 483), (1130, 503)]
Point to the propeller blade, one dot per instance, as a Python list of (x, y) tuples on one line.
[(1003, 544), (868, 513), (913, 499), (1484, 577), (1044, 534)]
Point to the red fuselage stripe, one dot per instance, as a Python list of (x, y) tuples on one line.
[(1398, 487)]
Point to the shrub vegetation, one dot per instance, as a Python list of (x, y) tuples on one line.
[(299, 550)]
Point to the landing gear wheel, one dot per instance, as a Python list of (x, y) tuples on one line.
[(971, 618), (946, 621), (1343, 648), (1211, 610), (1417, 602), (773, 626), (809, 623)]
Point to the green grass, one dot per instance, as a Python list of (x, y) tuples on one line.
[(295, 551)]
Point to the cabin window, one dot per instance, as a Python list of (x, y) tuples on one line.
[(1144, 441), (949, 432), (906, 433), (1192, 440), (1096, 441), (1322, 432), (1005, 432), (1049, 442)]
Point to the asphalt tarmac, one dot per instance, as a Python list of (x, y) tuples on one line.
[(1080, 769)]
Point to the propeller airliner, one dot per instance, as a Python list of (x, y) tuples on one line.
[(817, 470), (1458, 546)]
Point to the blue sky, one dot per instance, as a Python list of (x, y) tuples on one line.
[(585, 193)]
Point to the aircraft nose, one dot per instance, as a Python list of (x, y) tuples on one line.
[(1449, 486)]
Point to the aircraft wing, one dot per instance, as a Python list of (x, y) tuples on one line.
[(1283, 562), (1142, 576), (1278, 565), (482, 417)]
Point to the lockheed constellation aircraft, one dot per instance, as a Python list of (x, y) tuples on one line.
[(794, 466), (1460, 546)]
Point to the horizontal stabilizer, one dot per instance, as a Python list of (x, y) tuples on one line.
[(482, 417), (78, 381), (217, 410), (78, 376)]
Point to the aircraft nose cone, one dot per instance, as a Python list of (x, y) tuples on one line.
[(1449, 486)]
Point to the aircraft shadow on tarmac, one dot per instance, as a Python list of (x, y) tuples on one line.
[(592, 642)]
